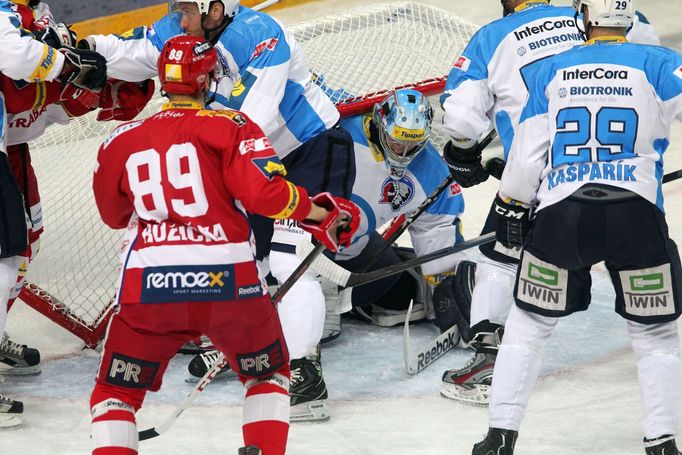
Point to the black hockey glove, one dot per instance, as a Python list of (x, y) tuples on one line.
[(465, 164), (512, 223), (84, 69)]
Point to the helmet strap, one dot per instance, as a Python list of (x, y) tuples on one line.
[(585, 31)]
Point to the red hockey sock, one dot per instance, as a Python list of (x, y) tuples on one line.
[(266, 414), (114, 431)]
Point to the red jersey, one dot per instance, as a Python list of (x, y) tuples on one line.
[(184, 179)]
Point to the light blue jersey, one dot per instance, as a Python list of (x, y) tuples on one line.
[(264, 74), (381, 198), (599, 113)]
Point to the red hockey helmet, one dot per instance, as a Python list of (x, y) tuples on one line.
[(185, 64)]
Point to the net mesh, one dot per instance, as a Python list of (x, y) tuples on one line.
[(352, 54)]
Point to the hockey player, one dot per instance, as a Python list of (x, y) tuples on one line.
[(588, 156), (182, 181), (485, 88), (263, 74), (396, 168), (25, 58)]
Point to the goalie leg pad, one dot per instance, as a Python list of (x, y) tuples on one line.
[(452, 300)]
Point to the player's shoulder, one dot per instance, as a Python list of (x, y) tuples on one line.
[(498, 30), (121, 132), (429, 167), (252, 26), (358, 127), (227, 117)]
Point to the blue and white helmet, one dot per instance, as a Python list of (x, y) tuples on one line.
[(403, 120), (607, 13), (230, 7)]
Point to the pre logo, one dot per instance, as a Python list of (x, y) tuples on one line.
[(261, 362), (131, 372)]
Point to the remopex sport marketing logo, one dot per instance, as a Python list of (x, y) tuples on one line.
[(188, 283)]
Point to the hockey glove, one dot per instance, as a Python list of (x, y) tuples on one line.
[(124, 100), (465, 164), (512, 223), (338, 228), (78, 101), (85, 69), (58, 36)]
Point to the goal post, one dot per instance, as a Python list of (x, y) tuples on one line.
[(357, 56)]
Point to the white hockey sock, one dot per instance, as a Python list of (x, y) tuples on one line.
[(492, 294), (8, 278), (517, 367), (114, 431), (302, 309), (660, 374)]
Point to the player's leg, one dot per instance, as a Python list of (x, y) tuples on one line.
[(134, 358), (647, 277), (490, 303), (248, 332), (10, 410)]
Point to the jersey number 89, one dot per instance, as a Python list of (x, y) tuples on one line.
[(148, 188), (615, 132)]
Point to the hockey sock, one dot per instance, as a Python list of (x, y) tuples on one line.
[(114, 430), (266, 412)]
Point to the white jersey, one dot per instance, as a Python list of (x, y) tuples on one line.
[(265, 74), (21, 56), (599, 113), (381, 198), (485, 88)]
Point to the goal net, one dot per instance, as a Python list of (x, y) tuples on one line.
[(356, 56)]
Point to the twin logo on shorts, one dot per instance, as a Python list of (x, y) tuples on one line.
[(542, 284), (648, 292)]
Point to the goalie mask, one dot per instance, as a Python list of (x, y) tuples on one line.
[(403, 121), (186, 65), (606, 13)]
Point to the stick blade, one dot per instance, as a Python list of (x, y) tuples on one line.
[(323, 265), (148, 434)]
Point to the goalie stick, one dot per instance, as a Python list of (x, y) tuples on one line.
[(221, 361)]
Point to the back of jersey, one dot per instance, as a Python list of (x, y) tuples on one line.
[(485, 82), (600, 113)]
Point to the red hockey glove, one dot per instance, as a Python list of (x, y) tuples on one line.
[(78, 101), (124, 100), (338, 228)]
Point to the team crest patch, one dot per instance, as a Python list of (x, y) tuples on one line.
[(678, 72), (454, 189), (397, 193), (462, 63)]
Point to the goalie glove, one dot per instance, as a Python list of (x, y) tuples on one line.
[(512, 222), (465, 164), (124, 100), (338, 228), (58, 36), (84, 69)]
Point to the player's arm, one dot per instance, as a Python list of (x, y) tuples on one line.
[(263, 77), (132, 56), (114, 205), (669, 83)]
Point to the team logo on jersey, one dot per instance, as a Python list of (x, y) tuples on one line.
[(263, 46), (269, 166), (265, 361), (678, 72), (462, 63), (188, 283), (397, 193), (454, 190), (521, 51)]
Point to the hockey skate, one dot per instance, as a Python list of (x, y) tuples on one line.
[(665, 445), (250, 450), (496, 442), (9, 412), (471, 384), (18, 359), (198, 346), (201, 363), (308, 392)]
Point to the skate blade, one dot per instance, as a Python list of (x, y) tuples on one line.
[(19, 371), (311, 411), (10, 422), (476, 395), (330, 336)]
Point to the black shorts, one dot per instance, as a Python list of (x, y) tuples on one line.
[(324, 163), (630, 235)]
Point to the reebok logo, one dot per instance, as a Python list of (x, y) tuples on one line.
[(254, 290), (426, 358)]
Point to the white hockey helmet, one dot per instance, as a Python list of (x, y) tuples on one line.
[(403, 120), (230, 7), (607, 13)]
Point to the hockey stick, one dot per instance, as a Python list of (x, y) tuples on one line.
[(429, 352), (221, 361), (422, 208), (674, 175), (334, 272)]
